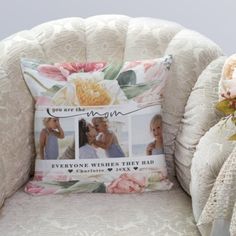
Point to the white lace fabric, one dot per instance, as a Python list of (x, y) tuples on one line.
[(222, 201)]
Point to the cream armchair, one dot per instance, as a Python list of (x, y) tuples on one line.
[(189, 113)]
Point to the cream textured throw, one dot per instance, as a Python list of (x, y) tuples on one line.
[(221, 205)]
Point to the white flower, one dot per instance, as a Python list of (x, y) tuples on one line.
[(229, 88), (89, 89), (66, 96)]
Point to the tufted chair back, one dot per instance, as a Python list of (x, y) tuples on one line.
[(188, 110)]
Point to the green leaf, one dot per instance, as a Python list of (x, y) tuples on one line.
[(36, 80), (32, 64), (232, 138), (101, 188), (68, 183), (111, 72), (57, 183), (52, 90), (127, 78), (132, 91), (82, 188), (224, 107)]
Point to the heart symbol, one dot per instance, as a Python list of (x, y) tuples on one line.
[(109, 169), (135, 167), (70, 170)]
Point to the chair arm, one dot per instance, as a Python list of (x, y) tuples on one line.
[(211, 153)]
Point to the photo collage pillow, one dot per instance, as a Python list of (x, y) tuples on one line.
[(98, 126)]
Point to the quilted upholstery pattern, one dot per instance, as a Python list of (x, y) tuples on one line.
[(95, 38), (211, 152), (192, 54), (199, 116), (121, 215), (188, 99), (111, 38)]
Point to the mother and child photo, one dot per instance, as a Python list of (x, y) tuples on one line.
[(100, 138)]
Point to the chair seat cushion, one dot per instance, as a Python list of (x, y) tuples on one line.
[(154, 213)]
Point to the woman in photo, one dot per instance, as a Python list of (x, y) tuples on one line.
[(87, 136), (48, 141), (156, 147), (107, 139)]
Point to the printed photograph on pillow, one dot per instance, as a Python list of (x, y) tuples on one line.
[(98, 126), (147, 139)]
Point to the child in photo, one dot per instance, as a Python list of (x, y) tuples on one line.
[(87, 136), (48, 141), (156, 147), (107, 139)]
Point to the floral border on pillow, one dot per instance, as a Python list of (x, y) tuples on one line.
[(89, 97)]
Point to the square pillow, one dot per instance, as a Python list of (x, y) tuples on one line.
[(98, 126)]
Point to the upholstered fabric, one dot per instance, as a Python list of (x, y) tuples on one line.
[(221, 205), (188, 114), (99, 215), (192, 53), (211, 152), (110, 38), (199, 116)]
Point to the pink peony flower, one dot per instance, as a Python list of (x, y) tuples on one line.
[(146, 65), (33, 188), (38, 177), (60, 71), (153, 71), (131, 65), (81, 67), (153, 95), (127, 183), (57, 177), (43, 101), (148, 71), (51, 72)]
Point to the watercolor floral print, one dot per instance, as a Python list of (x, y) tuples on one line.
[(124, 183), (96, 85)]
